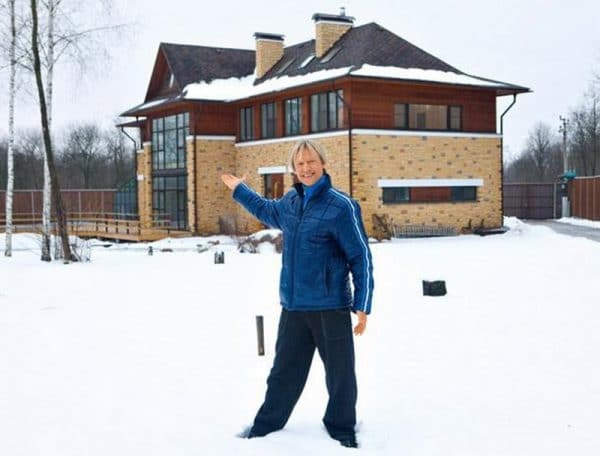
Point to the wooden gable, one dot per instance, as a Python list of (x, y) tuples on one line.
[(163, 81)]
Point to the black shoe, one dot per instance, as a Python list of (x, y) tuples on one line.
[(349, 442)]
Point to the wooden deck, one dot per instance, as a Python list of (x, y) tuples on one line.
[(123, 227)]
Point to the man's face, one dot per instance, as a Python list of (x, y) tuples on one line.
[(308, 166)]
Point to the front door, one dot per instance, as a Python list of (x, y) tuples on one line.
[(274, 186)]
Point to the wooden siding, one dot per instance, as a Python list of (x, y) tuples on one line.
[(584, 195), (215, 119), (373, 103), (537, 201)]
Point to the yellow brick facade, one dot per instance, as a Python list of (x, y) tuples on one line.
[(268, 53), (213, 157), (327, 34), (429, 157), (374, 157), (144, 172)]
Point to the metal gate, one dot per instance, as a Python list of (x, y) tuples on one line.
[(531, 201)]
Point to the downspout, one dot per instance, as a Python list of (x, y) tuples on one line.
[(194, 175), (349, 107), (502, 155)]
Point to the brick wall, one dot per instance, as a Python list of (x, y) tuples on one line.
[(412, 157), (268, 53), (213, 158), (144, 168), (327, 34)]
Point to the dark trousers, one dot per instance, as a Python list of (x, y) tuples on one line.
[(299, 333)]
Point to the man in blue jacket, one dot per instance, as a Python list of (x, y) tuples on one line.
[(324, 241)]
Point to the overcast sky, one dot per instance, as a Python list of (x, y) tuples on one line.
[(552, 47)]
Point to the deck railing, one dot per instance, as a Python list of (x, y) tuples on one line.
[(94, 224)]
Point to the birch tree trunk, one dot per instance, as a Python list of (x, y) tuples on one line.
[(47, 192), (11, 131), (60, 215)]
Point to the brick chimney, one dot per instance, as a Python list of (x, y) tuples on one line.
[(329, 28), (269, 49)]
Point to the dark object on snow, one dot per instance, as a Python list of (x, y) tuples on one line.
[(166, 249), (488, 231), (260, 335), (219, 257), (435, 288), (150, 251), (349, 443)]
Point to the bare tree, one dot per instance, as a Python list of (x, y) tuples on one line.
[(10, 172), (539, 143), (29, 159), (121, 156), (584, 135), (60, 215), (84, 152)]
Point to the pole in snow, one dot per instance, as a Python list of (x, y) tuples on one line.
[(260, 335)]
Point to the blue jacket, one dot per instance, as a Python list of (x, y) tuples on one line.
[(321, 245)]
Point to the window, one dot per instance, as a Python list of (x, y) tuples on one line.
[(169, 173), (464, 194), (169, 201), (247, 123), (327, 111), (454, 121), (427, 117), (293, 116), (395, 195), (267, 120), (168, 141), (400, 116)]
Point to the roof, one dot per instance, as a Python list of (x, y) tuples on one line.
[(190, 63), (370, 50), (367, 44)]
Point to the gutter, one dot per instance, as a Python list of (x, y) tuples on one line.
[(502, 156)]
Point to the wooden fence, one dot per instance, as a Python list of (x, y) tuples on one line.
[(584, 195), (28, 203), (531, 200)]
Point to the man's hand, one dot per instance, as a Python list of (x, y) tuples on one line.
[(232, 181), (362, 323)]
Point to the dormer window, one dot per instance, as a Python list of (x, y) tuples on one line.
[(285, 66), (307, 61), (330, 55)]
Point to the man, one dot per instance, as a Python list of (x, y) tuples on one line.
[(323, 241)]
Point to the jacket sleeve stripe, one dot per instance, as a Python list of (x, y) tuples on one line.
[(364, 305)]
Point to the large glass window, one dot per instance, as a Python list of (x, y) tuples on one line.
[(247, 123), (267, 120), (396, 195), (169, 172), (168, 141), (169, 202), (293, 116), (327, 111), (427, 117)]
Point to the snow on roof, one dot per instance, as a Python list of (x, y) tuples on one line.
[(238, 88), (418, 74)]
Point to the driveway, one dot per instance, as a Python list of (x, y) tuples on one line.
[(570, 230)]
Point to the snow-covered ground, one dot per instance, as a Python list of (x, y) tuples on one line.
[(580, 222), (133, 354)]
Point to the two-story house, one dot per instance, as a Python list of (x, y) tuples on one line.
[(408, 135)]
